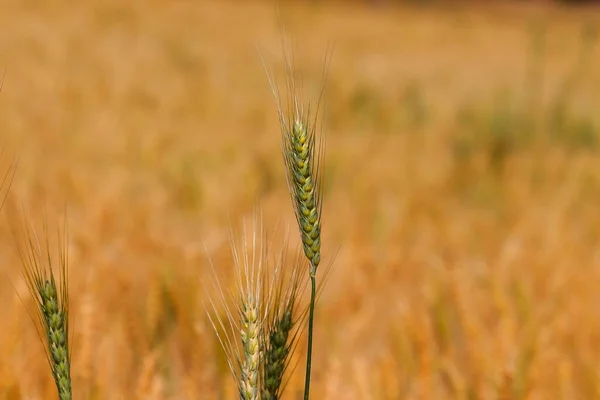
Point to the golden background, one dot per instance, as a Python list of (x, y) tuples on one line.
[(461, 199)]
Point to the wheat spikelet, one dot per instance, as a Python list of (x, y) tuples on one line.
[(51, 299)]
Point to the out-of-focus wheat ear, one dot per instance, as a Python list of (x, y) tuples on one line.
[(51, 296), (280, 333)]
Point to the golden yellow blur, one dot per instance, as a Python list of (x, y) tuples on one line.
[(462, 196)]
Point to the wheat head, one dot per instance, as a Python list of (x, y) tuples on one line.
[(303, 150), (249, 315), (281, 336), (240, 329)]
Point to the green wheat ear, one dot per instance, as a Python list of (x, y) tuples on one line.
[(51, 297), (303, 150), (280, 337), (304, 179)]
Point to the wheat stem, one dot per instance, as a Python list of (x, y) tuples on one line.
[(311, 318)]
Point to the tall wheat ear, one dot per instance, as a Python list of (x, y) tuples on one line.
[(45, 273), (303, 149), (262, 308)]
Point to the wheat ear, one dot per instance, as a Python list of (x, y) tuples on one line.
[(244, 311), (249, 315), (52, 300), (280, 335), (302, 155)]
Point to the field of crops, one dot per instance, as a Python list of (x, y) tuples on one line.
[(461, 209)]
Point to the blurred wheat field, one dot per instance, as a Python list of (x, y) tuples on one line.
[(462, 192)]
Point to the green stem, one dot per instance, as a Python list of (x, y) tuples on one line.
[(311, 315)]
